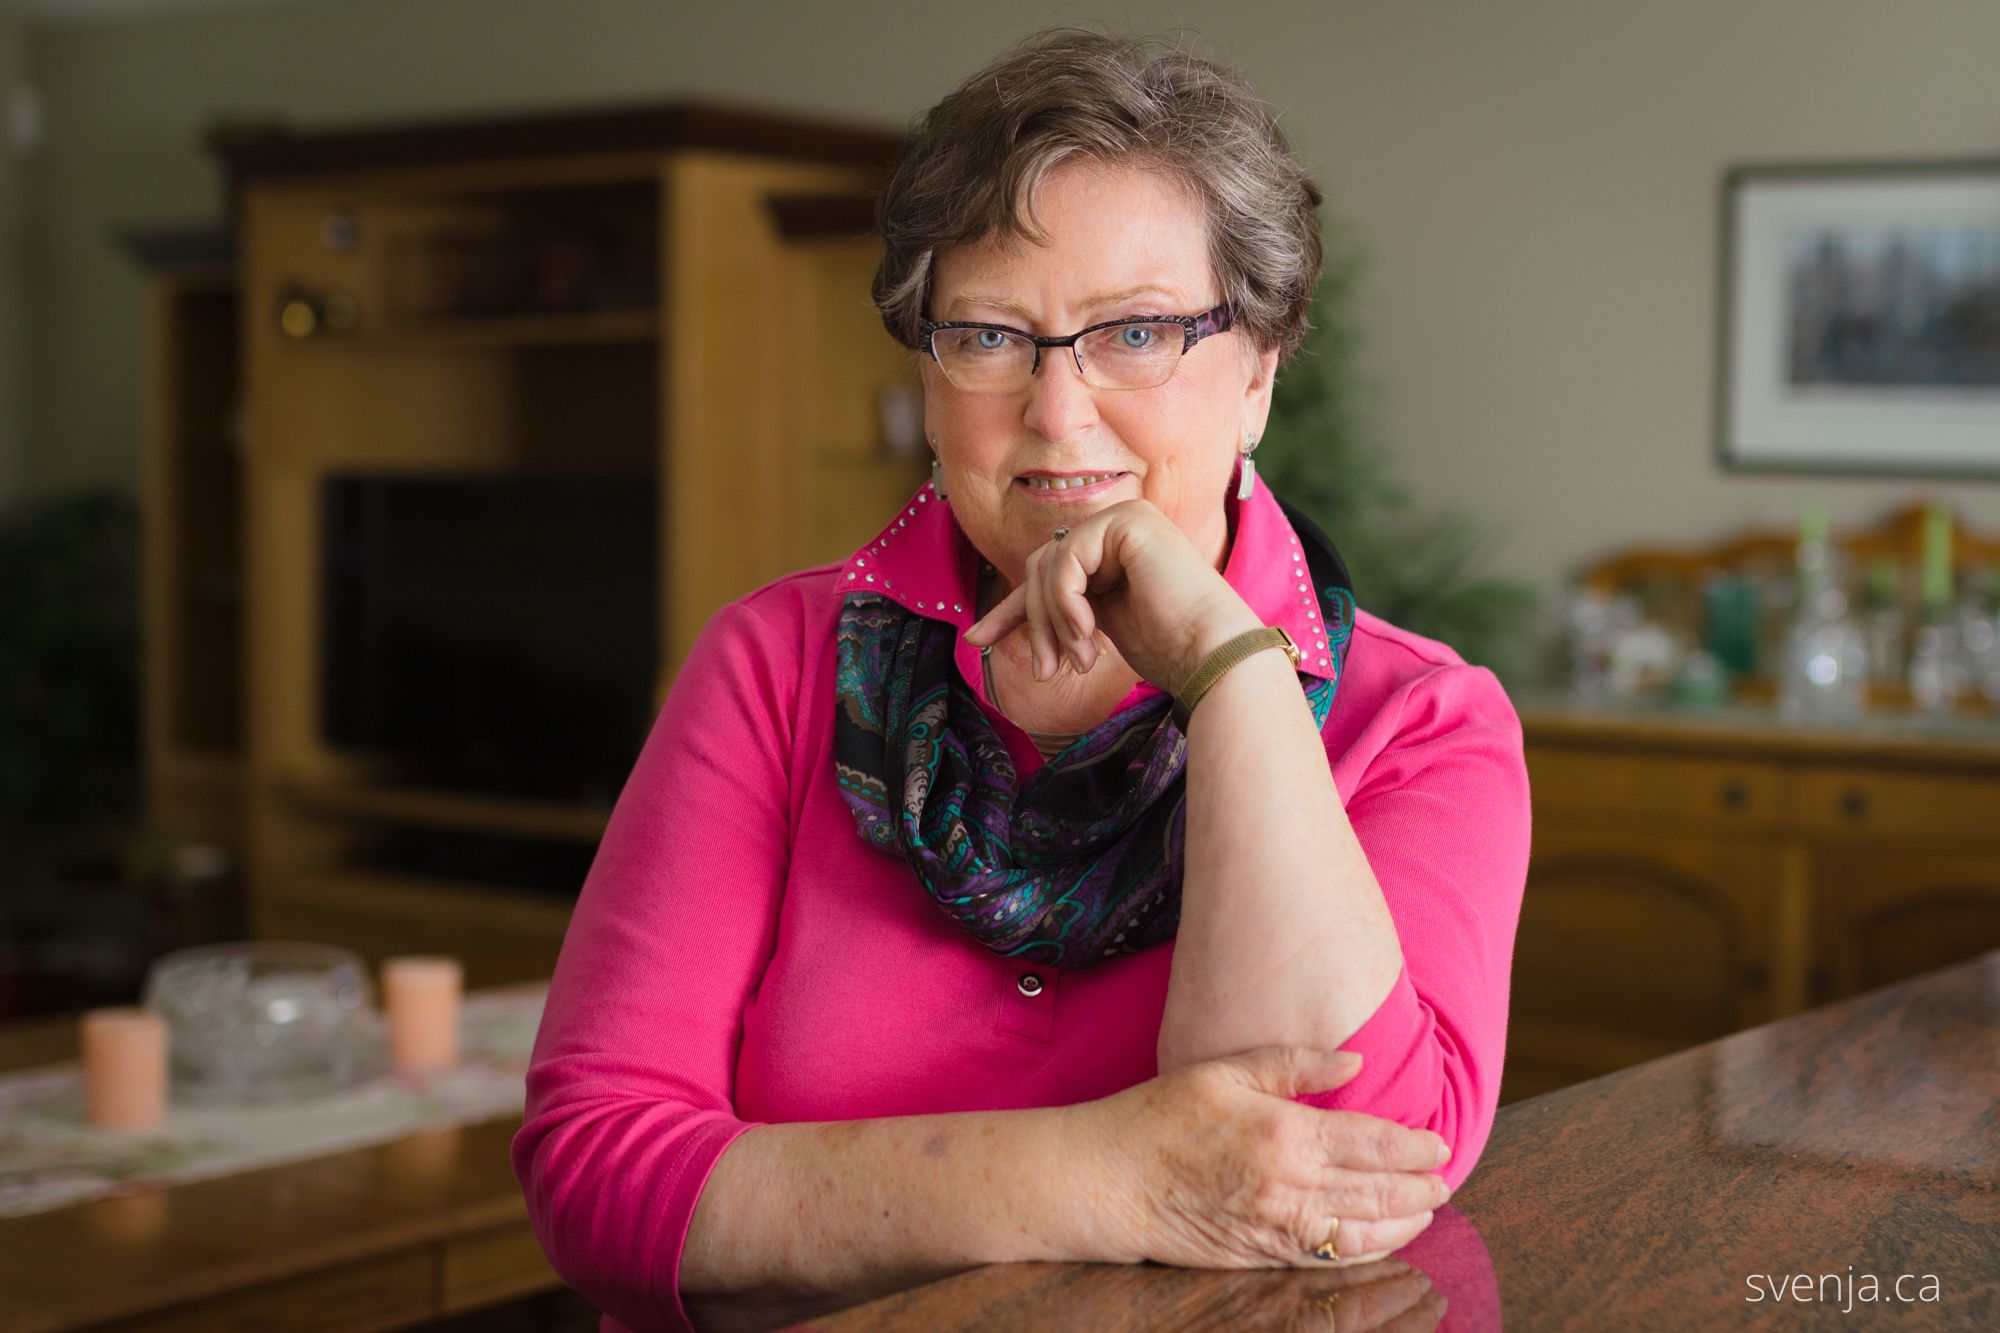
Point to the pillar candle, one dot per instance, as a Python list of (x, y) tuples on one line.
[(421, 997), (124, 1068)]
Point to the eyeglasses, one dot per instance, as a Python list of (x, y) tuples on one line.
[(1134, 353)]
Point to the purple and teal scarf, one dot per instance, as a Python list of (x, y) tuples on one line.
[(1081, 862)]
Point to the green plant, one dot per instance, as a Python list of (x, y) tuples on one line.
[(1419, 570), (68, 668)]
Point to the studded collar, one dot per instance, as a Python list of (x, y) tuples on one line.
[(922, 560)]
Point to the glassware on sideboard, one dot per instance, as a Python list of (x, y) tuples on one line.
[(265, 1020), (1823, 668), (1887, 625), (1979, 632)]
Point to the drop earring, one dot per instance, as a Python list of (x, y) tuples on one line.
[(1249, 468), (937, 471)]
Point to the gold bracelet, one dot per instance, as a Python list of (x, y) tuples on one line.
[(1225, 657)]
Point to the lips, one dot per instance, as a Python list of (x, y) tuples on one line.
[(1070, 490), (1060, 483)]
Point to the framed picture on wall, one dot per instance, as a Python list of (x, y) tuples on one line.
[(1860, 319)]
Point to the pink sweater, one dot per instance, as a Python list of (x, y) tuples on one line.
[(739, 955)]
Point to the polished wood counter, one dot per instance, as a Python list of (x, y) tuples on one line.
[(1853, 1142)]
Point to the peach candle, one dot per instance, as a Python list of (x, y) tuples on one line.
[(421, 996), (124, 1068)]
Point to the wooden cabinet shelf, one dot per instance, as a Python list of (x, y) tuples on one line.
[(501, 816), (502, 934), (473, 333)]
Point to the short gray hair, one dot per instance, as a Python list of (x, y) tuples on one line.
[(971, 165)]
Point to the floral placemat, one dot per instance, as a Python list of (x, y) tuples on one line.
[(49, 1158)]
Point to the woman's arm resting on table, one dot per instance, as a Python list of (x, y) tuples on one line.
[(803, 1219), (1384, 927)]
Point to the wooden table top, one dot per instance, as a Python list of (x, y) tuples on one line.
[(381, 1236), (1852, 1142)]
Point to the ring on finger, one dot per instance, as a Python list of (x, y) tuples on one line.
[(1325, 1250)]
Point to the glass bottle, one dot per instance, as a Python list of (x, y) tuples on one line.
[(1888, 626), (1823, 670), (1979, 631), (1937, 666)]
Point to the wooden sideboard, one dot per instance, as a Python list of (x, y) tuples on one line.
[(1694, 874)]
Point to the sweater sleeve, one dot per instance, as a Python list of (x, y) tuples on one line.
[(630, 1086), (1442, 815)]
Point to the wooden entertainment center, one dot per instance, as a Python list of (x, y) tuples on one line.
[(673, 296)]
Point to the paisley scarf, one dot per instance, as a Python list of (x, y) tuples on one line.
[(1081, 862)]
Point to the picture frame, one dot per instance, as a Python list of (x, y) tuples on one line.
[(1859, 318)]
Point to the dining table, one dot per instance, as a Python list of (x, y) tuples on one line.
[(422, 1228)]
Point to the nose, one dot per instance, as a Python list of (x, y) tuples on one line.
[(1060, 404)]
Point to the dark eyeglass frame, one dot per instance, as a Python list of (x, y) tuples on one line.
[(1221, 319)]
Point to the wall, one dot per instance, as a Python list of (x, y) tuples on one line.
[(1536, 182)]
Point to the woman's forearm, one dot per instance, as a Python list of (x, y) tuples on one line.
[(802, 1218), (1284, 936)]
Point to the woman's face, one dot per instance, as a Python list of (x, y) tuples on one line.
[(1110, 231)]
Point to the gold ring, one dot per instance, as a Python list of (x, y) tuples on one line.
[(1060, 533), (1325, 1250)]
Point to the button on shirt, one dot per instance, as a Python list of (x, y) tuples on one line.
[(739, 955)]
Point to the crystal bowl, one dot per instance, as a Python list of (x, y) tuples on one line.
[(265, 1021)]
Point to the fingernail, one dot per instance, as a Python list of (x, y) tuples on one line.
[(1444, 1151)]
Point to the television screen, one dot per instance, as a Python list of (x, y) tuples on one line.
[(495, 634)]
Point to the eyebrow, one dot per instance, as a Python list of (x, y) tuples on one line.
[(1102, 299)]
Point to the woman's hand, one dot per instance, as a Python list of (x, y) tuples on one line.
[(1129, 570), (1227, 1171)]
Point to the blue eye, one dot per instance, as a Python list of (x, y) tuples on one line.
[(1137, 337), (999, 340)]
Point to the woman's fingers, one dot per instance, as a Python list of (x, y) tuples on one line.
[(1053, 603), (1361, 1240), (1382, 1194), (1370, 1143), (1001, 621), (1042, 641), (1069, 608)]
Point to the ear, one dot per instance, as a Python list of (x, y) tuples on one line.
[(1263, 371)]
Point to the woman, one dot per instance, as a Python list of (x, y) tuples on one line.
[(1006, 891)]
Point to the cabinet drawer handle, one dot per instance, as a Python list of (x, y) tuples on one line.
[(1854, 803), (1734, 795)]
